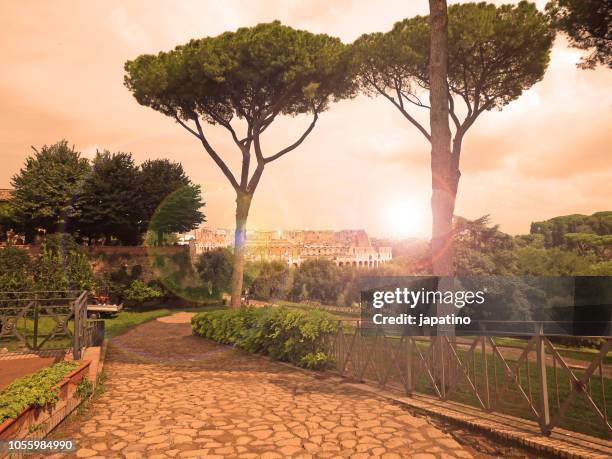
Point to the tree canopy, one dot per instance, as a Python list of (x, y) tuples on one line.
[(47, 186), (107, 203), (495, 53), (253, 74), (556, 229), (178, 212), (588, 25)]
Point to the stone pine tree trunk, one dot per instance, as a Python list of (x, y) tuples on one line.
[(443, 197), (243, 204), (442, 181)]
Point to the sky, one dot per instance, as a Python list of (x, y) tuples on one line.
[(364, 166)]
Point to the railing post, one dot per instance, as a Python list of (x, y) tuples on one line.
[(36, 307), (543, 380), (485, 372), (76, 348), (409, 370)]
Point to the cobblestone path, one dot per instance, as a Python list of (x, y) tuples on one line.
[(171, 394)]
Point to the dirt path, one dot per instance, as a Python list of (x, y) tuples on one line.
[(171, 394)]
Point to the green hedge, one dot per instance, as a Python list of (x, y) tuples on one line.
[(283, 334), (35, 389)]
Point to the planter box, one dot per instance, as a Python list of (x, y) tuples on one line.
[(36, 422)]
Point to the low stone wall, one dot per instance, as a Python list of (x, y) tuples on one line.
[(106, 259), (36, 422)]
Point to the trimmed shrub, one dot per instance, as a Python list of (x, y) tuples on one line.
[(139, 292), (284, 334), (35, 389)]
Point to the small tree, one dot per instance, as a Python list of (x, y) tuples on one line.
[(109, 199), (179, 212), (215, 268), (46, 189), (588, 25), (272, 280), (254, 74), (494, 54)]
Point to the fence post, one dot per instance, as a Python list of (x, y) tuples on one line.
[(76, 349), (485, 371), (410, 363), (543, 379), (36, 307)]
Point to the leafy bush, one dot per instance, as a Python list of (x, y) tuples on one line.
[(283, 334), (269, 279), (139, 292), (215, 269), (35, 389), (15, 270), (60, 265)]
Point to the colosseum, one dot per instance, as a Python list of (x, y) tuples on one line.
[(344, 248)]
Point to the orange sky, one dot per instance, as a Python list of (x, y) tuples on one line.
[(62, 77)]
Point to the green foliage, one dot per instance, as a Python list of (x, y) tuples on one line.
[(271, 279), (57, 190), (7, 219), (588, 25), (46, 188), (15, 270), (84, 389), (215, 269), (573, 245), (552, 262), (317, 280), (602, 268), (283, 334), (60, 265), (109, 199), (158, 179), (251, 73), (585, 243), (555, 229), (481, 249), (178, 276), (178, 212), (495, 53), (139, 292), (36, 389), (118, 281)]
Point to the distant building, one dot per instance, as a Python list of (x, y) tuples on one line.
[(344, 248), (206, 239)]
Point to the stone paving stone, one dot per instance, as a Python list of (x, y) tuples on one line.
[(171, 394)]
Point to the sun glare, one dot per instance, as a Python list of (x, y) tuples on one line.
[(405, 218)]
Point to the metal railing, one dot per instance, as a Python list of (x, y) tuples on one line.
[(47, 321), (528, 377)]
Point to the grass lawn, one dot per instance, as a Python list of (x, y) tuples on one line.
[(126, 320), (586, 354), (340, 312)]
